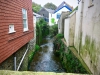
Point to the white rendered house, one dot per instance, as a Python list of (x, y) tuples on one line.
[(54, 17)]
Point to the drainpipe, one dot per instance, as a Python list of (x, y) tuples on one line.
[(23, 58), (14, 63), (81, 21)]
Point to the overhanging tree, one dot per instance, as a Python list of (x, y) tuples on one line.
[(50, 6)]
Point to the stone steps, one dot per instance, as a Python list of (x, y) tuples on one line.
[(7, 72)]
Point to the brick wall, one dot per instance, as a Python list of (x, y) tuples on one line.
[(11, 13)]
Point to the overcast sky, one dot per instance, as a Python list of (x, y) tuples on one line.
[(73, 3)]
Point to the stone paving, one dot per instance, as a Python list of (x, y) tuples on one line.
[(7, 72)]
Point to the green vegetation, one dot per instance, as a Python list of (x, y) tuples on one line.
[(53, 20), (59, 36), (42, 30), (89, 48), (75, 65), (36, 7), (53, 30), (68, 60), (50, 6), (31, 55), (37, 47), (73, 10), (57, 43)]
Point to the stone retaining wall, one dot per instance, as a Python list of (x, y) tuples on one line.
[(8, 64)]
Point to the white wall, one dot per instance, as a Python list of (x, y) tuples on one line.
[(90, 41), (77, 27), (55, 15), (66, 30), (69, 29), (50, 17), (91, 29), (60, 11)]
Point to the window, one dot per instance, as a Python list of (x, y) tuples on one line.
[(58, 16), (43, 14), (25, 20), (11, 29), (91, 3)]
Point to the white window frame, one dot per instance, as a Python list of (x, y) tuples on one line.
[(24, 12), (11, 28)]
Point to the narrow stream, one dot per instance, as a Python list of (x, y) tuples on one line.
[(45, 60)]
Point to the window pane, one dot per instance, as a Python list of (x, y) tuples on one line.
[(24, 11), (24, 16), (25, 26), (58, 16), (25, 23)]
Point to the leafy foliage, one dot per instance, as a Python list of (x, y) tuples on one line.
[(59, 36), (42, 30), (69, 61), (36, 7), (37, 47), (73, 64), (54, 30), (30, 57), (50, 6)]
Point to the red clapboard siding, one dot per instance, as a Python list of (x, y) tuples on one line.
[(11, 13)]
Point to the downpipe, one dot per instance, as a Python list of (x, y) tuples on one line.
[(15, 63)]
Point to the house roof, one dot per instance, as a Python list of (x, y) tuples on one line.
[(64, 4), (50, 10), (37, 15)]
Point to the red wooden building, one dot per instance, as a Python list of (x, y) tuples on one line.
[(16, 26)]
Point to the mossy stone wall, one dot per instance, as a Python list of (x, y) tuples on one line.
[(8, 64)]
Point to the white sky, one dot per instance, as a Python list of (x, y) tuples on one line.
[(73, 3)]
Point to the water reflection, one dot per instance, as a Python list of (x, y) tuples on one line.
[(45, 60)]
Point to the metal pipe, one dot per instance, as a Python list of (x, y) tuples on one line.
[(15, 63), (22, 58)]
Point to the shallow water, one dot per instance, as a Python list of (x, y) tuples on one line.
[(45, 60)]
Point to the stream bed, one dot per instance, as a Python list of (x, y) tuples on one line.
[(45, 60)]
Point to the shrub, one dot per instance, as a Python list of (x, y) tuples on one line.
[(54, 30), (69, 61), (42, 30), (37, 47), (30, 57), (59, 36)]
